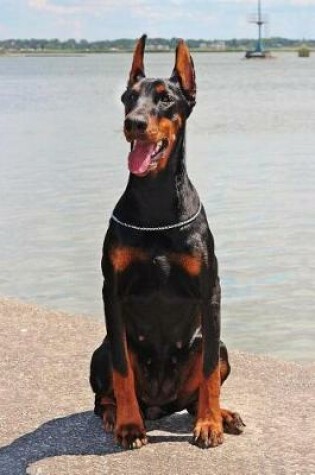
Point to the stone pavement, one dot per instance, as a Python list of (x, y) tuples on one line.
[(47, 426)]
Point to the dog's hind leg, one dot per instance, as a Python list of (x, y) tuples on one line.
[(225, 367), (232, 421), (101, 380)]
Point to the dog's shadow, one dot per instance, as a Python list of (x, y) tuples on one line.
[(81, 434)]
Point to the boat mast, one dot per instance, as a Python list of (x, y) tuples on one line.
[(260, 24), (259, 20)]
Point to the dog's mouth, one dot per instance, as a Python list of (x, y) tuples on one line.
[(144, 156)]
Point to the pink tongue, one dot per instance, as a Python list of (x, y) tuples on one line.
[(140, 158)]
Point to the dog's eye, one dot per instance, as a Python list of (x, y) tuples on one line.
[(133, 97), (165, 99)]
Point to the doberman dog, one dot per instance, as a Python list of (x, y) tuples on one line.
[(161, 292)]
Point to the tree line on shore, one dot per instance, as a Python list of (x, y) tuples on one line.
[(153, 44)]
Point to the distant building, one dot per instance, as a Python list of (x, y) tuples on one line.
[(218, 45), (158, 47)]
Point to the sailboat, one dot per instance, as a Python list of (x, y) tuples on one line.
[(259, 51)]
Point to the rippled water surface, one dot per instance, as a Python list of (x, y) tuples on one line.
[(250, 144)]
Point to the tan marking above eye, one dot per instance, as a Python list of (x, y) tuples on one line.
[(160, 88)]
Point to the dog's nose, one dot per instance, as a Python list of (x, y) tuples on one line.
[(136, 124)]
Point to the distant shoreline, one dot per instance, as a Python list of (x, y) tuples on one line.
[(67, 54), (55, 46)]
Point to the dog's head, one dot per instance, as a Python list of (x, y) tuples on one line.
[(156, 110)]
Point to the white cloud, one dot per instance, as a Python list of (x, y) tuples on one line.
[(56, 8), (302, 3), (183, 18), (284, 3), (148, 10), (81, 6), (149, 7)]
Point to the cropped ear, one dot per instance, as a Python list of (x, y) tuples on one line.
[(184, 72), (137, 68)]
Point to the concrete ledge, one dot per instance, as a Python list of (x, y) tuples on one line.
[(47, 426)]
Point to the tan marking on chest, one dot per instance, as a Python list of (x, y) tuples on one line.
[(122, 257), (190, 264)]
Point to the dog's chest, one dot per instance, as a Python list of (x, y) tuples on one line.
[(166, 273), (160, 265)]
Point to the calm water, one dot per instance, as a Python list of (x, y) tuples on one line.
[(251, 143)]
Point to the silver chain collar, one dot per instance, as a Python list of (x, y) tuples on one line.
[(158, 228)]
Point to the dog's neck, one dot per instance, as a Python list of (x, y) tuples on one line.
[(163, 199)]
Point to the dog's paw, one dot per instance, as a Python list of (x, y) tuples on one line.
[(109, 417), (232, 422), (131, 436), (207, 434)]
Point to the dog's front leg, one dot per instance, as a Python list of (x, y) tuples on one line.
[(208, 431), (129, 428)]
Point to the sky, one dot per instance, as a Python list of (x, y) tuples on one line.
[(110, 19)]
